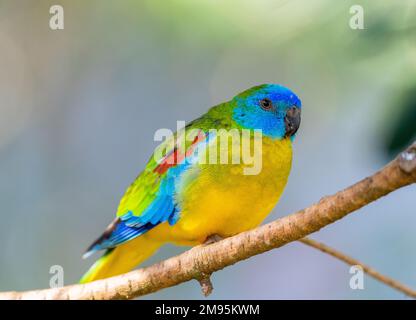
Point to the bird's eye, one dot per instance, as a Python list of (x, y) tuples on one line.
[(266, 104)]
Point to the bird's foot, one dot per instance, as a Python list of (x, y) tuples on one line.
[(212, 239)]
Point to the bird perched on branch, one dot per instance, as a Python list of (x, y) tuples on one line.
[(199, 190)]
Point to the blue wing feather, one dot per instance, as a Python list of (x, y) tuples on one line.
[(163, 208)]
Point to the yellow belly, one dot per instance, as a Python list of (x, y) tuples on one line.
[(224, 201)]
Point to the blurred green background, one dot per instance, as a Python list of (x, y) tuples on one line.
[(79, 107)]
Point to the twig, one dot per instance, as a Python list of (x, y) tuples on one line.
[(353, 262), (208, 259), (206, 285)]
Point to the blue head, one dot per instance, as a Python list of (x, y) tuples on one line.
[(270, 107)]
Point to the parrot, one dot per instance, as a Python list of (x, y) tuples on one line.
[(182, 200)]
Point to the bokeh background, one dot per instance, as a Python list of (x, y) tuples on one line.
[(79, 107)]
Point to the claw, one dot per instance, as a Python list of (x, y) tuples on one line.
[(212, 239)]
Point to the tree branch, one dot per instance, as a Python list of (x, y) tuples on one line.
[(353, 262), (201, 261)]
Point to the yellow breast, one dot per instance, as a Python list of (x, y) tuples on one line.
[(223, 200)]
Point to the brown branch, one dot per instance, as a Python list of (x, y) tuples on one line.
[(353, 262), (200, 261)]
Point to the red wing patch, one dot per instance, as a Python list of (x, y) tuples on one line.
[(177, 157)]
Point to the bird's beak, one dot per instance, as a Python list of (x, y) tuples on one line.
[(292, 121)]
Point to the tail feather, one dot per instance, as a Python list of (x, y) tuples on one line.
[(121, 259)]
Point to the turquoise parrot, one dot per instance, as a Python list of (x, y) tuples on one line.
[(189, 194)]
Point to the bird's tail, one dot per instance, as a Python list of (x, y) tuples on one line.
[(121, 259)]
